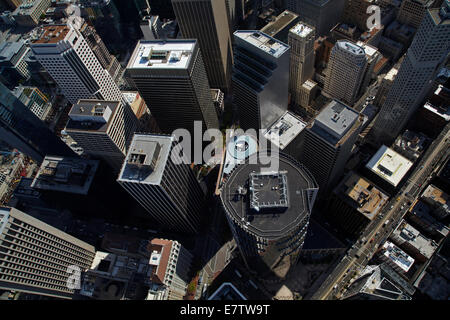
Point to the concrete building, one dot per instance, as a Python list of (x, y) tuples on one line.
[(355, 12), (168, 191), (153, 68), (430, 46), (385, 85), (379, 283), (280, 27), (355, 202), (36, 257), (412, 241), (207, 21), (411, 12), (268, 213), (66, 55), (286, 134), (260, 79), (218, 100), (150, 27), (34, 99), (30, 11), (13, 62), (395, 257), (146, 122), (308, 92), (103, 129), (387, 168), (22, 129), (301, 66), (438, 200), (322, 14), (434, 115), (346, 71), (420, 216), (390, 48), (410, 144), (328, 142)]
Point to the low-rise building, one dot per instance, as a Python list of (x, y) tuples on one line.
[(395, 257), (438, 200), (410, 144), (420, 216)]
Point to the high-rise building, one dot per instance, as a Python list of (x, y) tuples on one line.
[(103, 129), (22, 129), (412, 12), (345, 72), (171, 78), (385, 85), (268, 213), (12, 4), (280, 26), (430, 46), (65, 54), (162, 183), (301, 41), (260, 79), (30, 11), (207, 21), (321, 14), (13, 62), (328, 142), (38, 258)]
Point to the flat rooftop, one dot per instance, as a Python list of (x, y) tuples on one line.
[(405, 233), (281, 22), (65, 174), (263, 42), (369, 50), (350, 47), (390, 76), (146, 159), (268, 190), (398, 256), (283, 131), (92, 115), (362, 195), (162, 54), (52, 34), (389, 165), (277, 221), (301, 29), (335, 120)]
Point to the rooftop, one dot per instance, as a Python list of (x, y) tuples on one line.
[(162, 54), (335, 120), (350, 47), (362, 194), (9, 49), (227, 291), (397, 256), (65, 174), (390, 76), (287, 193), (281, 22), (410, 144), (92, 115), (405, 233), (263, 42), (146, 159), (283, 131), (52, 34), (421, 211), (389, 165), (302, 30), (27, 7)]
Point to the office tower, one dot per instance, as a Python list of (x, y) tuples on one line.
[(206, 21), (260, 79), (22, 129), (328, 143), (65, 54), (103, 129), (412, 12), (171, 78), (430, 46), (30, 11), (12, 4), (150, 27), (355, 12), (279, 28), (386, 84), (345, 72), (268, 213), (167, 190), (35, 257), (13, 64), (232, 14), (34, 100), (107, 60), (354, 203), (301, 41), (321, 14)]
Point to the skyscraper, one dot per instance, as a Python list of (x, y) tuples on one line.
[(35, 257), (345, 72), (328, 143), (301, 40), (268, 213), (22, 129), (103, 129), (260, 79), (65, 54), (430, 46), (207, 21), (171, 78), (412, 12), (167, 190), (321, 14)]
